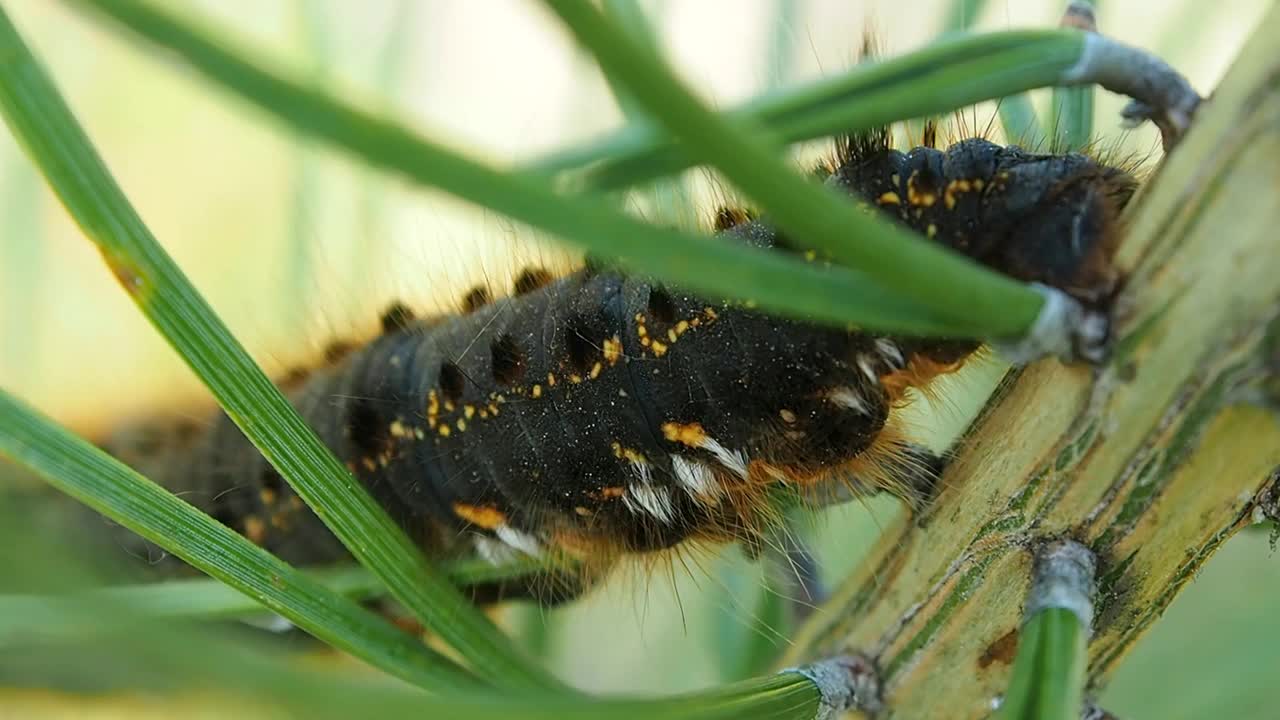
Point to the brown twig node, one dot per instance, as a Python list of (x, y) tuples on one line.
[(1063, 578), (845, 683), (1064, 329)]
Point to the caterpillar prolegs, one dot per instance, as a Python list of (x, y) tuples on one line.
[(602, 413)]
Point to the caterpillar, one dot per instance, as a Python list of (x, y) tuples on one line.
[(603, 414)]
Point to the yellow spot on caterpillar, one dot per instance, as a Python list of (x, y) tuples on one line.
[(444, 431), (417, 432), (889, 198), (536, 392), (919, 198), (584, 512), (255, 529), (468, 411), (551, 380), (493, 409), (595, 370), (612, 349), (690, 434), (787, 416), (612, 492), (462, 425), (501, 399), (810, 255), (642, 331), (280, 521), (926, 199), (398, 429), (625, 453), (267, 495), (977, 183), (710, 313), (659, 349), (448, 406), (681, 328), (954, 187), (931, 231), (575, 379), (487, 517), (369, 464)]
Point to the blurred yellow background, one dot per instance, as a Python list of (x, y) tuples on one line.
[(293, 244)]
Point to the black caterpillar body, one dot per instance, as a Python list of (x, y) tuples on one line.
[(602, 413)]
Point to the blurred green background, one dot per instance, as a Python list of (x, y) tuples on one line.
[(294, 245)]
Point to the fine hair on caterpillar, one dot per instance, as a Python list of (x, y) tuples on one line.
[(601, 414)]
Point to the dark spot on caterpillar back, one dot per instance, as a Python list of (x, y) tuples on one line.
[(336, 350), (508, 360), (531, 279), (397, 316), (453, 382), (364, 427), (476, 298), (582, 338), (294, 377), (661, 306)]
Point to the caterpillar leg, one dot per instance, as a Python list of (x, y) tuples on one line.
[(911, 474), (547, 589), (797, 576), (791, 561)]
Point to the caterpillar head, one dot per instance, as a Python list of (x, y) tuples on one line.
[(1053, 219)]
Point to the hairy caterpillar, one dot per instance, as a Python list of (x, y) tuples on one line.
[(601, 413)]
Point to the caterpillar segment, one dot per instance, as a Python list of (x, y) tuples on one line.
[(600, 413)]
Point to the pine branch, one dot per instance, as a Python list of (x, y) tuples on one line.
[(1151, 463)]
